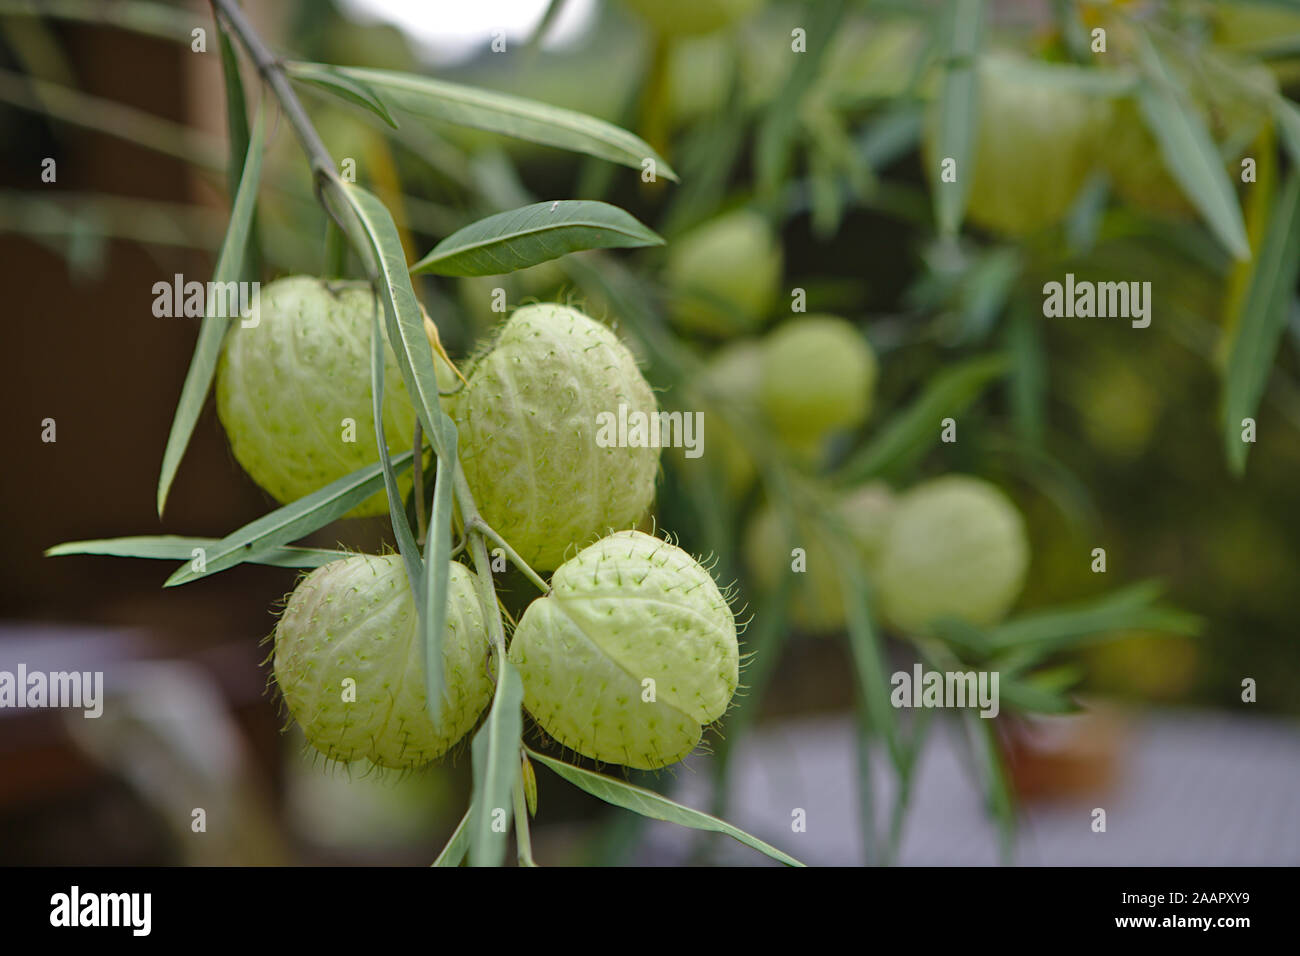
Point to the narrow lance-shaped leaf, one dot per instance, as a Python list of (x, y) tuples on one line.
[(508, 115), (647, 803), (238, 135), (776, 134), (454, 852), (958, 112), (437, 569), (176, 548), (206, 351), (1189, 153), (918, 427), (509, 241), (406, 544), (291, 522), (373, 231), (1055, 628), (1268, 302), (347, 88), (495, 756), (868, 654)]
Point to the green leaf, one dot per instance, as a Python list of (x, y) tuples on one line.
[(1263, 319), (1131, 608), (776, 134), (371, 229), (495, 754), (430, 629), (437, 566), (647, 803), (514, 240), (1288, 119), (1189, 153), (292, 522), (915, 429), (458, 845), (868, 652), (509, 115), (175, 548), (344, 87), (203, 365), (958, 111)]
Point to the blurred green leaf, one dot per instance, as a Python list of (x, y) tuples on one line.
[(524, 237), (913, 430), (175, 548), (508, 115), (958, 110), (1264, 316), (776, 133), (291, 522), (230, 264), (1131, 608), (1189, 152), (647, 803), (868, 651), (344, 87), (495, 754)]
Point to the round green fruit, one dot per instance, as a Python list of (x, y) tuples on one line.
[(540, 435), (956, 548), (816, 603), (724, 274), (686, 17), (293, 391), (350, 663), (818, 375), (1036, 144), (632, 653)]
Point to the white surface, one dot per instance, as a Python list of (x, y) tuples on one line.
[(1191, 789)]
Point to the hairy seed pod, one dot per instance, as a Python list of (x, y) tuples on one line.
[(1037, 142), (631, 654), (724, 274), (350, 664), (818, 375), (539, 433), (956, 548), (293, 391)]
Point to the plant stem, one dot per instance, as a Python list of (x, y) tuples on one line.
[(273, 74), (511, 554)]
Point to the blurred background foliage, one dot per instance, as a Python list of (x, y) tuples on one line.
[(1103, 435)]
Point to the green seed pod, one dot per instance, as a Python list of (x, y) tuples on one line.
[(293, 391), (816, 602), (536, 439), (1037, 143), (724, 274), (685, 17), (818, 375), (351, 666), (956, 548), (631, 654)]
